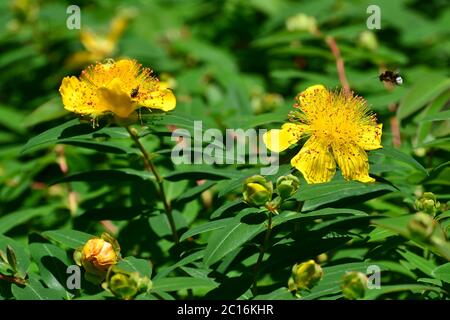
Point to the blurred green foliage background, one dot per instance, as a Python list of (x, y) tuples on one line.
[(231, 64)]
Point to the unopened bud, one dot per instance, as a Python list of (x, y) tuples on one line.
[(302, 22), (421, 226), (368, 39), (257, 191), (427, 203), (98, 255), (287, 186), (305, 275), (262, 103), (354, 285), (126, 285)]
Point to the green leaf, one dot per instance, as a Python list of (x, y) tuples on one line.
[(160, 223), (440, 116), (419, 288), (132, 264), (11, 220), (22, 257), (236, 232), (71, 238), (100, 146), (226, 206), (34, 290), (52, 262), (395, 154), (259, 120), (184, 261), (425, 127), (443, 142), (399, 225), (114, 213), (175, 118), (82, 134), (427, 88), (195, 192), (316, 195), (50, 110), (105, 176), (424, 265), (326, 212), (205, 227), (197, 172), (442, 272), (278, 294), (52, 135), (183, 283), (11, 119)]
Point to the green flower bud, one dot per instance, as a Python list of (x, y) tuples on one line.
[(368, 39), (287, 186), (302, 22), (420, 152), (421, 226), (268, 102), (354, 285), (428, 203), (257, 191), (126, 285), (305, 276)]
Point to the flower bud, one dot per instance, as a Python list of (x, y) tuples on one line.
[(126, 285), (287, 186), (368, 39), (302, 22), (305, 275), (421, 226), (354, 285), (267, 102), (257, 191), (98, 255), (428, 203)]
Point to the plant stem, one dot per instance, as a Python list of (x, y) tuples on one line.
[(262, 251), (12, 279), (331, 42), (149, 166)]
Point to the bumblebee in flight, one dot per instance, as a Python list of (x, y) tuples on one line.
[(391, 77)]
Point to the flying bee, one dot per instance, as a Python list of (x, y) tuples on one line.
[(134, 92), (391, 77)]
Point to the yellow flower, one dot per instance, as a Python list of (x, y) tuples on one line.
[(97, 255), (100, 46), (119, 87), (340, 128)]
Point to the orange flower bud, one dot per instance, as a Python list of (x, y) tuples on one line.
[(97, 256)]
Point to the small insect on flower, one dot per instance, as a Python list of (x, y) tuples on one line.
[(134, 92), (391, 77)]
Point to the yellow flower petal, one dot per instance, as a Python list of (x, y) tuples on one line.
[(370, 137), (314, 99), (353, 162), (315, 162), (278, 140), (115, 99), (79, 97), (118, 26), (163, 99)]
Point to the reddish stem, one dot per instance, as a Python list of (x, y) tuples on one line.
[(339, 63)]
